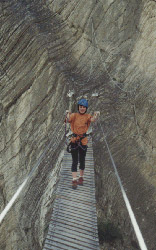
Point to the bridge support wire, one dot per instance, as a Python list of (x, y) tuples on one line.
[(130, 211)]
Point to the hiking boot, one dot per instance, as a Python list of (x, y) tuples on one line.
[(80, 181), (74, 184)]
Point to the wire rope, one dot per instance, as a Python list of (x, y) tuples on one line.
[(130, 211)]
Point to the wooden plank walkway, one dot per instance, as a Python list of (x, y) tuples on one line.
[(73, 222)]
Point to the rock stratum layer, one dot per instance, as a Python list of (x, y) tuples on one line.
[(48, 48)]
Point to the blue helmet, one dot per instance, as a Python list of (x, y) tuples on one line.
[(83, 102)]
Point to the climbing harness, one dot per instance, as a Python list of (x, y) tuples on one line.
[(78, 142), (73, 146)]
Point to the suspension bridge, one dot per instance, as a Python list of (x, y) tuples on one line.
[(73, 223)]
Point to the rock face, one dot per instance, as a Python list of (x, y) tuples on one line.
[(48, 48)]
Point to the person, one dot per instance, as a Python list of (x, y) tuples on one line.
[(79, 123)]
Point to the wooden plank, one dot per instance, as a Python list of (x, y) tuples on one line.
[(87, 187), (70, 242), (72, 223), (81, 192), (75, 208), (91, 219), (71, 216), (78, 212), (49, 245), (85, 198), (76, 234), (75, 204), (74, 227), (84, 188), (71, 234)]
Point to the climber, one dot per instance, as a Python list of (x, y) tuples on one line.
[(79, 123)]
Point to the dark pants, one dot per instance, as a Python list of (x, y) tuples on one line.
[(78, 155)]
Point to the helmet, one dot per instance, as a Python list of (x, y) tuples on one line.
[(83, 102)]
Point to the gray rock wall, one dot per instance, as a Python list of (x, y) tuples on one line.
[(48, 48)]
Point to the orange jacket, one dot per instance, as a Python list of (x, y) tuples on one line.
[(79, 125)]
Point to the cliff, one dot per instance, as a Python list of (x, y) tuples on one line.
[(48, 48)]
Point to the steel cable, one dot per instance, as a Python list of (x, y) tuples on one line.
[(130, 211)]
